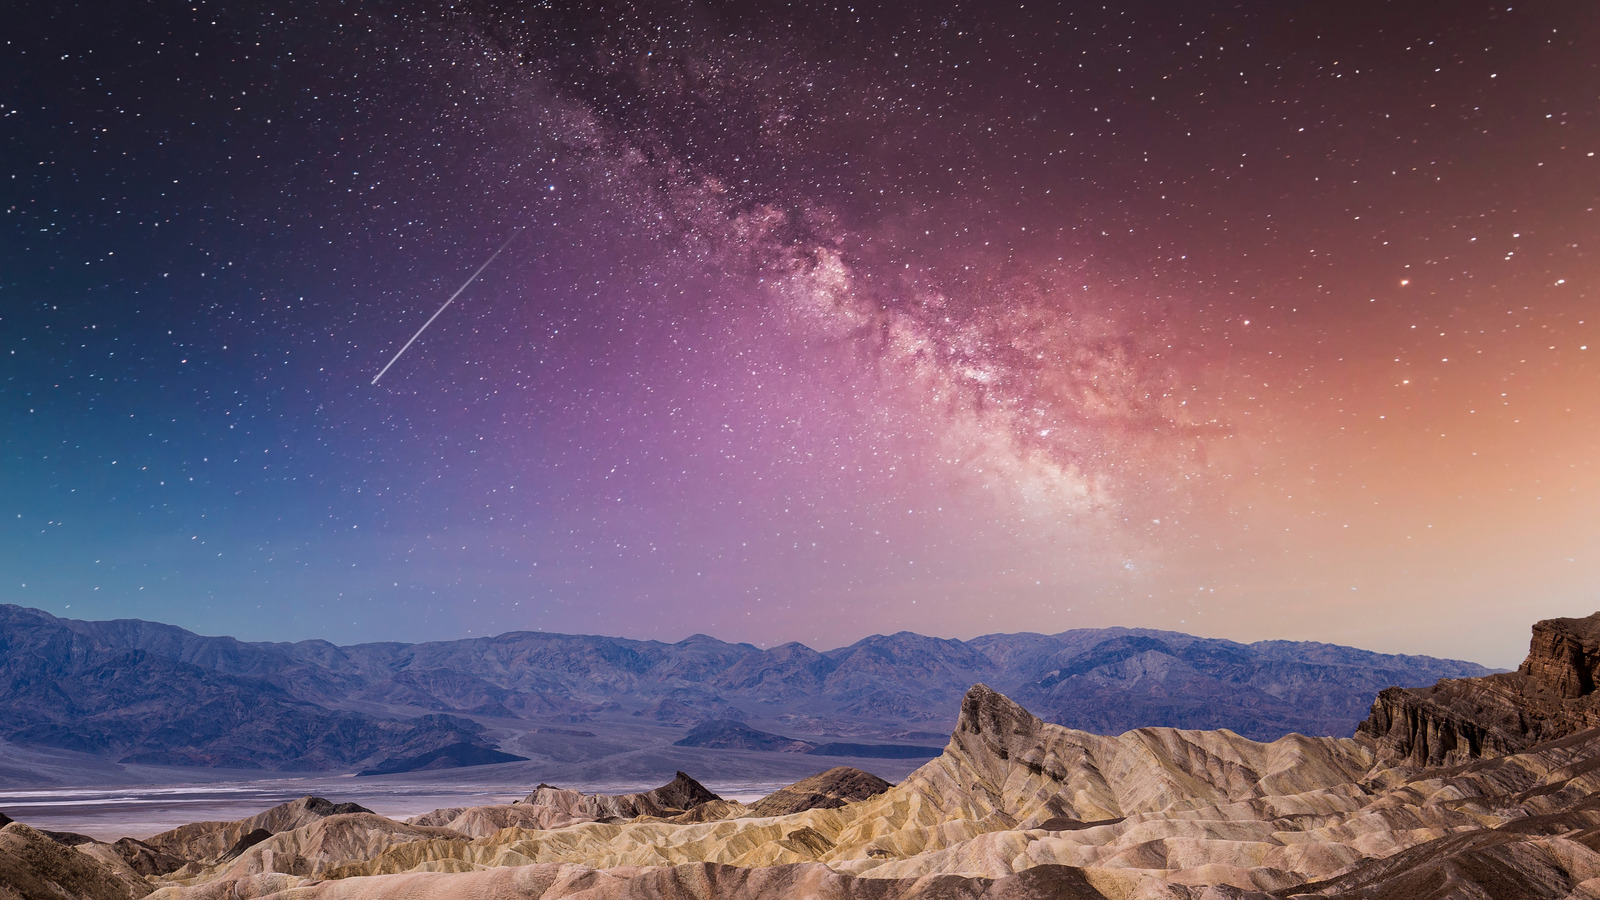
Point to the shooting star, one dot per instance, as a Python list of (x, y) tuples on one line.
[(464, 285)]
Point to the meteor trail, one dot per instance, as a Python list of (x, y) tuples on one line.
[(470, 280)]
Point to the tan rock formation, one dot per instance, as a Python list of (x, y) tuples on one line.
[(694, 881), (208, 841), (480, 821), (312, 849), (145, 859), (34, 867), (1186, 807), (551, 807), (682, 793)]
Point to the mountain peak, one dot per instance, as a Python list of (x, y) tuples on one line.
[(986, 711), (991, 730)]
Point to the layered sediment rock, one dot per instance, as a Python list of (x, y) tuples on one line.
[(145, 859), (1009, 795), (34, 867), (692, 881), (675, 797), (1551, 695), (1564, 656), (1014, 808), (552, 807), (829, 790), (312, 849), (206, 842)]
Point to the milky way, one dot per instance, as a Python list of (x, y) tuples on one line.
[(1249, 320)]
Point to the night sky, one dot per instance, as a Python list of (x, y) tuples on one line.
[(1251, 319)]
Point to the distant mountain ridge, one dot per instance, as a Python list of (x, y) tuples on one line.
[(148, 692)]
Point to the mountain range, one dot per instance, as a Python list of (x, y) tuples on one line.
[(153, 694), (1478, 788)]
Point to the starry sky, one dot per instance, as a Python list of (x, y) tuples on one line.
[(1249, 319)]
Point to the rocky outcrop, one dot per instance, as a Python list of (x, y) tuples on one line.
[(208, 842), (1455, 722), (481, 821), (674, 798), (552, 807), (145, 859), (311, 849), (142, 692), (34, 867), (1489, 864), (1551, 695), (828, 790), (681, 793), (1564, 656), (1538, 838), (1034, 771)]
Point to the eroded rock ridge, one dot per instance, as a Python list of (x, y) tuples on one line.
[(1551, 695)]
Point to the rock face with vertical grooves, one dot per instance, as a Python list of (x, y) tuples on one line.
[(1551, 695), (1564, 656)]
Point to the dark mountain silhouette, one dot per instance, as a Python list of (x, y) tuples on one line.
[(730, 734), (455, 756)]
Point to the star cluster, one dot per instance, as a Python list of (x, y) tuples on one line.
[(1249, 319)]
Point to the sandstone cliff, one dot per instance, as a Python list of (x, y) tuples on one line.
[(1551, 695)]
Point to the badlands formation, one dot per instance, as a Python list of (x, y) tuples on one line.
[(1475, 788)]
